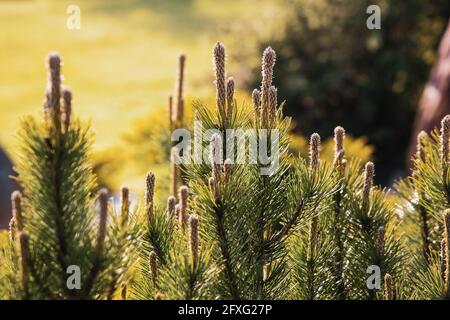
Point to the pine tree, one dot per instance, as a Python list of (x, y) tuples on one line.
[(426, 199), (64, 244), (242, 225)]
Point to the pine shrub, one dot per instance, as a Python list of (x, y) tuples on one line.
[(308, 229)]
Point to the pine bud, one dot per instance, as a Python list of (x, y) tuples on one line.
[(184, 196), (213, 186), (149, 193), (268, 63), (339, 135), (54, 82), (66, 110), (219, 68), (125, 204), (103, 217), (24, 259), (314, 151), (158, 296), (445, 132), (171, 203), (421, 139), (150, 188), (16, 204), (180, 84), (389, 287), (256, 100), (367, 187), (443, 259), (380, 241), (273, 103), (153, 268), (193, 239), (230, 97), (216, 155), (447, 251)]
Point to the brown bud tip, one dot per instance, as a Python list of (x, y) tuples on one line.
[(389, 287), (150, 187), (219, 52), (369, 172), (268, 59), (171, 202), (256, 99), (219, 67), (158, 296), (314, 151), (183, 194), (125, 194), (67, 94), (193, 238), (380, 242), (153, 267), (339, 135), (54, 61), (67, 109)]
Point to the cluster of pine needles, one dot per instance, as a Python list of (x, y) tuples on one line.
[(311, 229)]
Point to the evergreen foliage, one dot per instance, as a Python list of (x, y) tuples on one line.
[(306, 228), (57, 223)]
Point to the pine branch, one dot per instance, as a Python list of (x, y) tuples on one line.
[(224, 249)]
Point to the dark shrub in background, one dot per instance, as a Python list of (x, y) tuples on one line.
[(332, 70)]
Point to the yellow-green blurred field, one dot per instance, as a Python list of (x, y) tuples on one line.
[(120, 64)]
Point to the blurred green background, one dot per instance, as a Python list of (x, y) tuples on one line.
[(121, 66)]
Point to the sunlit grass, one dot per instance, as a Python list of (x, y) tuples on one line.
[(120, 64)]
